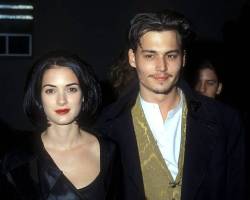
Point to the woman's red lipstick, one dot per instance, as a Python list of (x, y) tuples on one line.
[(62, 111)]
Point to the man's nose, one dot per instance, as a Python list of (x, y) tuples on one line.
[(161, 64), (203, 87)]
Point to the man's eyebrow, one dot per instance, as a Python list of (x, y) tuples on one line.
[(148, 51), (153, 51), (214, 80), (173, 51)]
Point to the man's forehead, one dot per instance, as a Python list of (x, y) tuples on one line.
[(169, 37)]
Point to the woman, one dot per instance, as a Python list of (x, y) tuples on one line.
[(65, 161)]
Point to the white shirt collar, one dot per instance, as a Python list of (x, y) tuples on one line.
[(171, 112)]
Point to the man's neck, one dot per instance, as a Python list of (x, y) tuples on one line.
[(166, 102)]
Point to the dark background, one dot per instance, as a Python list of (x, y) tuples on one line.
[(96, 30)]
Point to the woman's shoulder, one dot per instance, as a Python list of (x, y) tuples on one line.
[(20, 152), (102, 139), (14, 159), (108, 148)]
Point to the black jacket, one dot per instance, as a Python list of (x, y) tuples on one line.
[(214, 152), (29, 173)]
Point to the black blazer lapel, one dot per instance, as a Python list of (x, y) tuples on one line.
[(129, 151), (200, 142)]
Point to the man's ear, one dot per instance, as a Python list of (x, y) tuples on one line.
[(131, 58), (219, 89)]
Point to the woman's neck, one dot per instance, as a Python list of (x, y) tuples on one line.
[(62, 137)]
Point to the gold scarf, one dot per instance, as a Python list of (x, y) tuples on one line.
[(158, 181)]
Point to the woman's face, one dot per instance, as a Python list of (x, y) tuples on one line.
[(61, 95)]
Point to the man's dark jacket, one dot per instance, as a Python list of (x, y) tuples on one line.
[(214, 152)]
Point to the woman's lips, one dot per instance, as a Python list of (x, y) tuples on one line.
[(62, 111)]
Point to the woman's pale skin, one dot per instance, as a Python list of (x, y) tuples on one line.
[(75, 151)]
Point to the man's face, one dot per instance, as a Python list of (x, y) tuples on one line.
[(207, 83), (158, 61)]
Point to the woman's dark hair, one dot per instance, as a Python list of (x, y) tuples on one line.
[(90, 88), (160, 21)]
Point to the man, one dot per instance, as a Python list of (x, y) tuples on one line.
[(174, 144), (207, 80)]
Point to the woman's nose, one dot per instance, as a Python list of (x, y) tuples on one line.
[(61, 99)]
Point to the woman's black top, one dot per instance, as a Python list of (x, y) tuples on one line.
[(30, 173)]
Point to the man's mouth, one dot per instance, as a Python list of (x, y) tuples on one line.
[(161, 77)]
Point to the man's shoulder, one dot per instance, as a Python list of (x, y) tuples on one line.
[(122, 105), (217, 110), (107, 143), (113, 119)]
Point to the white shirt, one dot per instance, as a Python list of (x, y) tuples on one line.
[(167, 133)]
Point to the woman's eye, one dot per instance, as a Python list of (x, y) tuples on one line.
[(72, 89), (50, 91)]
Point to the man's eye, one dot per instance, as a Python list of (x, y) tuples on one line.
[(149, 56), (172, 56), (211, 82), (50, 91)]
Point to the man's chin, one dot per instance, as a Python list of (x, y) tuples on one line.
[(165, 90), (161, 91)]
